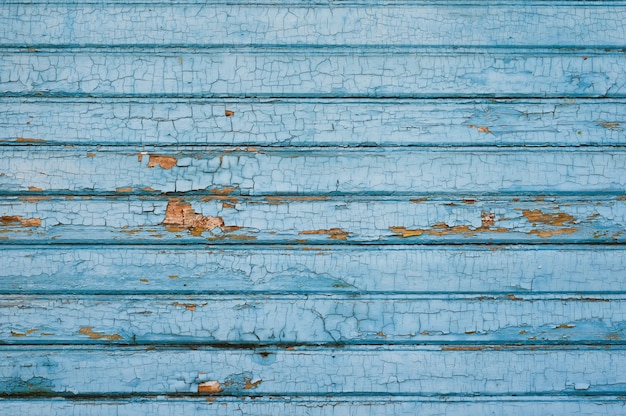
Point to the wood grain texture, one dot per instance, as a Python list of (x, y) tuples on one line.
[(289, 72), (337, 24), (329, 122), (380, 370), (311, 171)]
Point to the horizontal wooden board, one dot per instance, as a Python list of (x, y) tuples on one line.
[(520, 24), (499, 270), (320, 406), (288, 3), (315, 406), (300, 72), (294, 371), (310, 319), (311, 220), (313, 171), (248, 122)]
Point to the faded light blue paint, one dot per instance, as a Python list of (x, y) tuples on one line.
[(331, 208)]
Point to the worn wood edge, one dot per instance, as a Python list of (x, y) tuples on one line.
[(250, 122), (461, 322)]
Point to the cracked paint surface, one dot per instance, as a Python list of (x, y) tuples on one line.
[(364, 207), (309, 122)]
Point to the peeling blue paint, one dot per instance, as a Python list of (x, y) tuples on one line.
[(332, 208)]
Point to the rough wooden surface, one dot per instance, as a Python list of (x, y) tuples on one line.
[(310, 122), (578, 270), (316, 406), (310, 171), (358, 207)]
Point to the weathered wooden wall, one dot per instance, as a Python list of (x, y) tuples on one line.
[(321, 208)]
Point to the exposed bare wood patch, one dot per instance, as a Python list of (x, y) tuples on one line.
[(242, 237), (487, 219), (609, 125), (23, 334), (164, 162), (124, 189), (333, 233), (564, 326), (179, 215), (210, 387), (87, 330), (34, 189), (91, 155), (465, 348), (481, 129), (17, 220), (249, 384), (223, 191), (28, 140), (189, 306), (441, 229), (229, 113), (550, 233), (557, 219), (35, 198)]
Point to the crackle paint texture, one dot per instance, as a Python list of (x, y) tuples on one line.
[(353, 207)]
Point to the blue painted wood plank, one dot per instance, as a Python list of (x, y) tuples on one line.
[(299, 72), (311, 220), (316, 406), (329, 122), (381, 370), (567, 24), (313, 319), (189, 270), (312, 171)]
